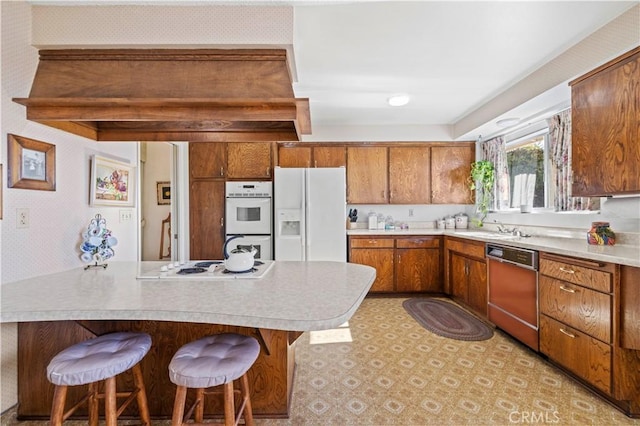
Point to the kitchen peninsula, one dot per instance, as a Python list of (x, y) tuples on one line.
[(60, 309)]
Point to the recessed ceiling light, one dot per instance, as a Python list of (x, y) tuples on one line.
[(398, 100), (507, 122)]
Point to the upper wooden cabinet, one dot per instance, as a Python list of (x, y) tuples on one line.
[(329, 156), (605, 115), (207, 160), (312, 156), (450, 167), (249, 160), (410, 175), (367, 181)]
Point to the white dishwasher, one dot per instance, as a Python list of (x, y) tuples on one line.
[(513, 291)]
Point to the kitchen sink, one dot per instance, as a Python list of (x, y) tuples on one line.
[(487, 234)]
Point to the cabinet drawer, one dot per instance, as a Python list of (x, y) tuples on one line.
[(585, 356), (586, 310), (470, 249), (371, 242), (418, 242), (567, 271)]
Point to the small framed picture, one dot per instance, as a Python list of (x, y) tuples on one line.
[(112, 182), (32, 164), (164, 192)]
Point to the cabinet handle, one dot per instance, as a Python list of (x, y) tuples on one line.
[(563, 331), (568, 271), (382, 194), (268, 172), (221, 222), (568, 290), (315, 163), (221, 171)]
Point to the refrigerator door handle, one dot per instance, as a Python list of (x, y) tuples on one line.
[(307, 212)]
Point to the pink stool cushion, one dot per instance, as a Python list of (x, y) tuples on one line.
[(98, 359), (213, 360)]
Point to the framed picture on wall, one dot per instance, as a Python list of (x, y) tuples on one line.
[(164, 192), (112, 182), (32, 164)]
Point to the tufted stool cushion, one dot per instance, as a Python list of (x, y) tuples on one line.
[(213, 360), (98, 358)]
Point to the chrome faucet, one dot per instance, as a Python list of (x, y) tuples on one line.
[(503, 229)]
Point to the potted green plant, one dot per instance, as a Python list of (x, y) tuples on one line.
[(482, 178)]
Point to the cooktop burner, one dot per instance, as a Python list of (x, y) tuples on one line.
[(203, 270)]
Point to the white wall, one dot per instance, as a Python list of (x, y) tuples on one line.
[(157, 168)]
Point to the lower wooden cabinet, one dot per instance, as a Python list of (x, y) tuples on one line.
[(403, 264), (466, 273), (588, 324), (206, 219)]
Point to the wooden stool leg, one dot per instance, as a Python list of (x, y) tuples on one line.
[(229, 406), (248, 412), (178, 406), (57, 409), (93, 404), (110, 403), (199, 415), (143, 406)]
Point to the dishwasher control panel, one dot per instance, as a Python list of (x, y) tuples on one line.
[(519, 256)]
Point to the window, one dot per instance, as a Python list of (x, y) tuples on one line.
[(527, 165)]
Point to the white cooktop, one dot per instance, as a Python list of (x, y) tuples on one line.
[(204, 270)]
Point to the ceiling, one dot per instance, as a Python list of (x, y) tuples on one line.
[(450, 57)]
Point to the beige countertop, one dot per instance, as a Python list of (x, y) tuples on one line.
[(295, 296), (619, 253)]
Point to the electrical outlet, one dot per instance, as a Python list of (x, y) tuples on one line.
[(22, 218), (126, 215), (410, 212)]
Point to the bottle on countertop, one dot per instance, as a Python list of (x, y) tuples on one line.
[(373, 220)]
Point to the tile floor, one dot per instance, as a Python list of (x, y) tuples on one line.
[(385, 369)]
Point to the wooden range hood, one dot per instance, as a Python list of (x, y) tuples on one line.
[(196, 95)]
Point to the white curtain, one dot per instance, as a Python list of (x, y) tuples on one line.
[(494, 150), (560, 154)]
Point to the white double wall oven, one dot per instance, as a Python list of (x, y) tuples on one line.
[(248, 212)]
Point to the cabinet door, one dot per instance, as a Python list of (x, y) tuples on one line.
[(605, 132), (294, 156), (367, 175), (206, 213), (382, 260), (450, 167), (477, 286), (207, 160), (249, 160), (418, 270), (409, 175), (458, 276), (329, 156)]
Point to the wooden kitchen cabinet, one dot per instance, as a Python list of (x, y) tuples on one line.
[(418, 264), (403, 264), (589, 327), (367, 180), (249, 160), (466, 273), (450, 167), (207, 160), (410, 175), (206, 219), (312, 156), (605, 131), (379, 254)]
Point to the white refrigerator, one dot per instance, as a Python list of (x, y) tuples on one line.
[(310, 213)]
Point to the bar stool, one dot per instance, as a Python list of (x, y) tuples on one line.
[(212, 361), (96, 360)]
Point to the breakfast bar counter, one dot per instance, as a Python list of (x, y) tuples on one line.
[(60, 309)]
